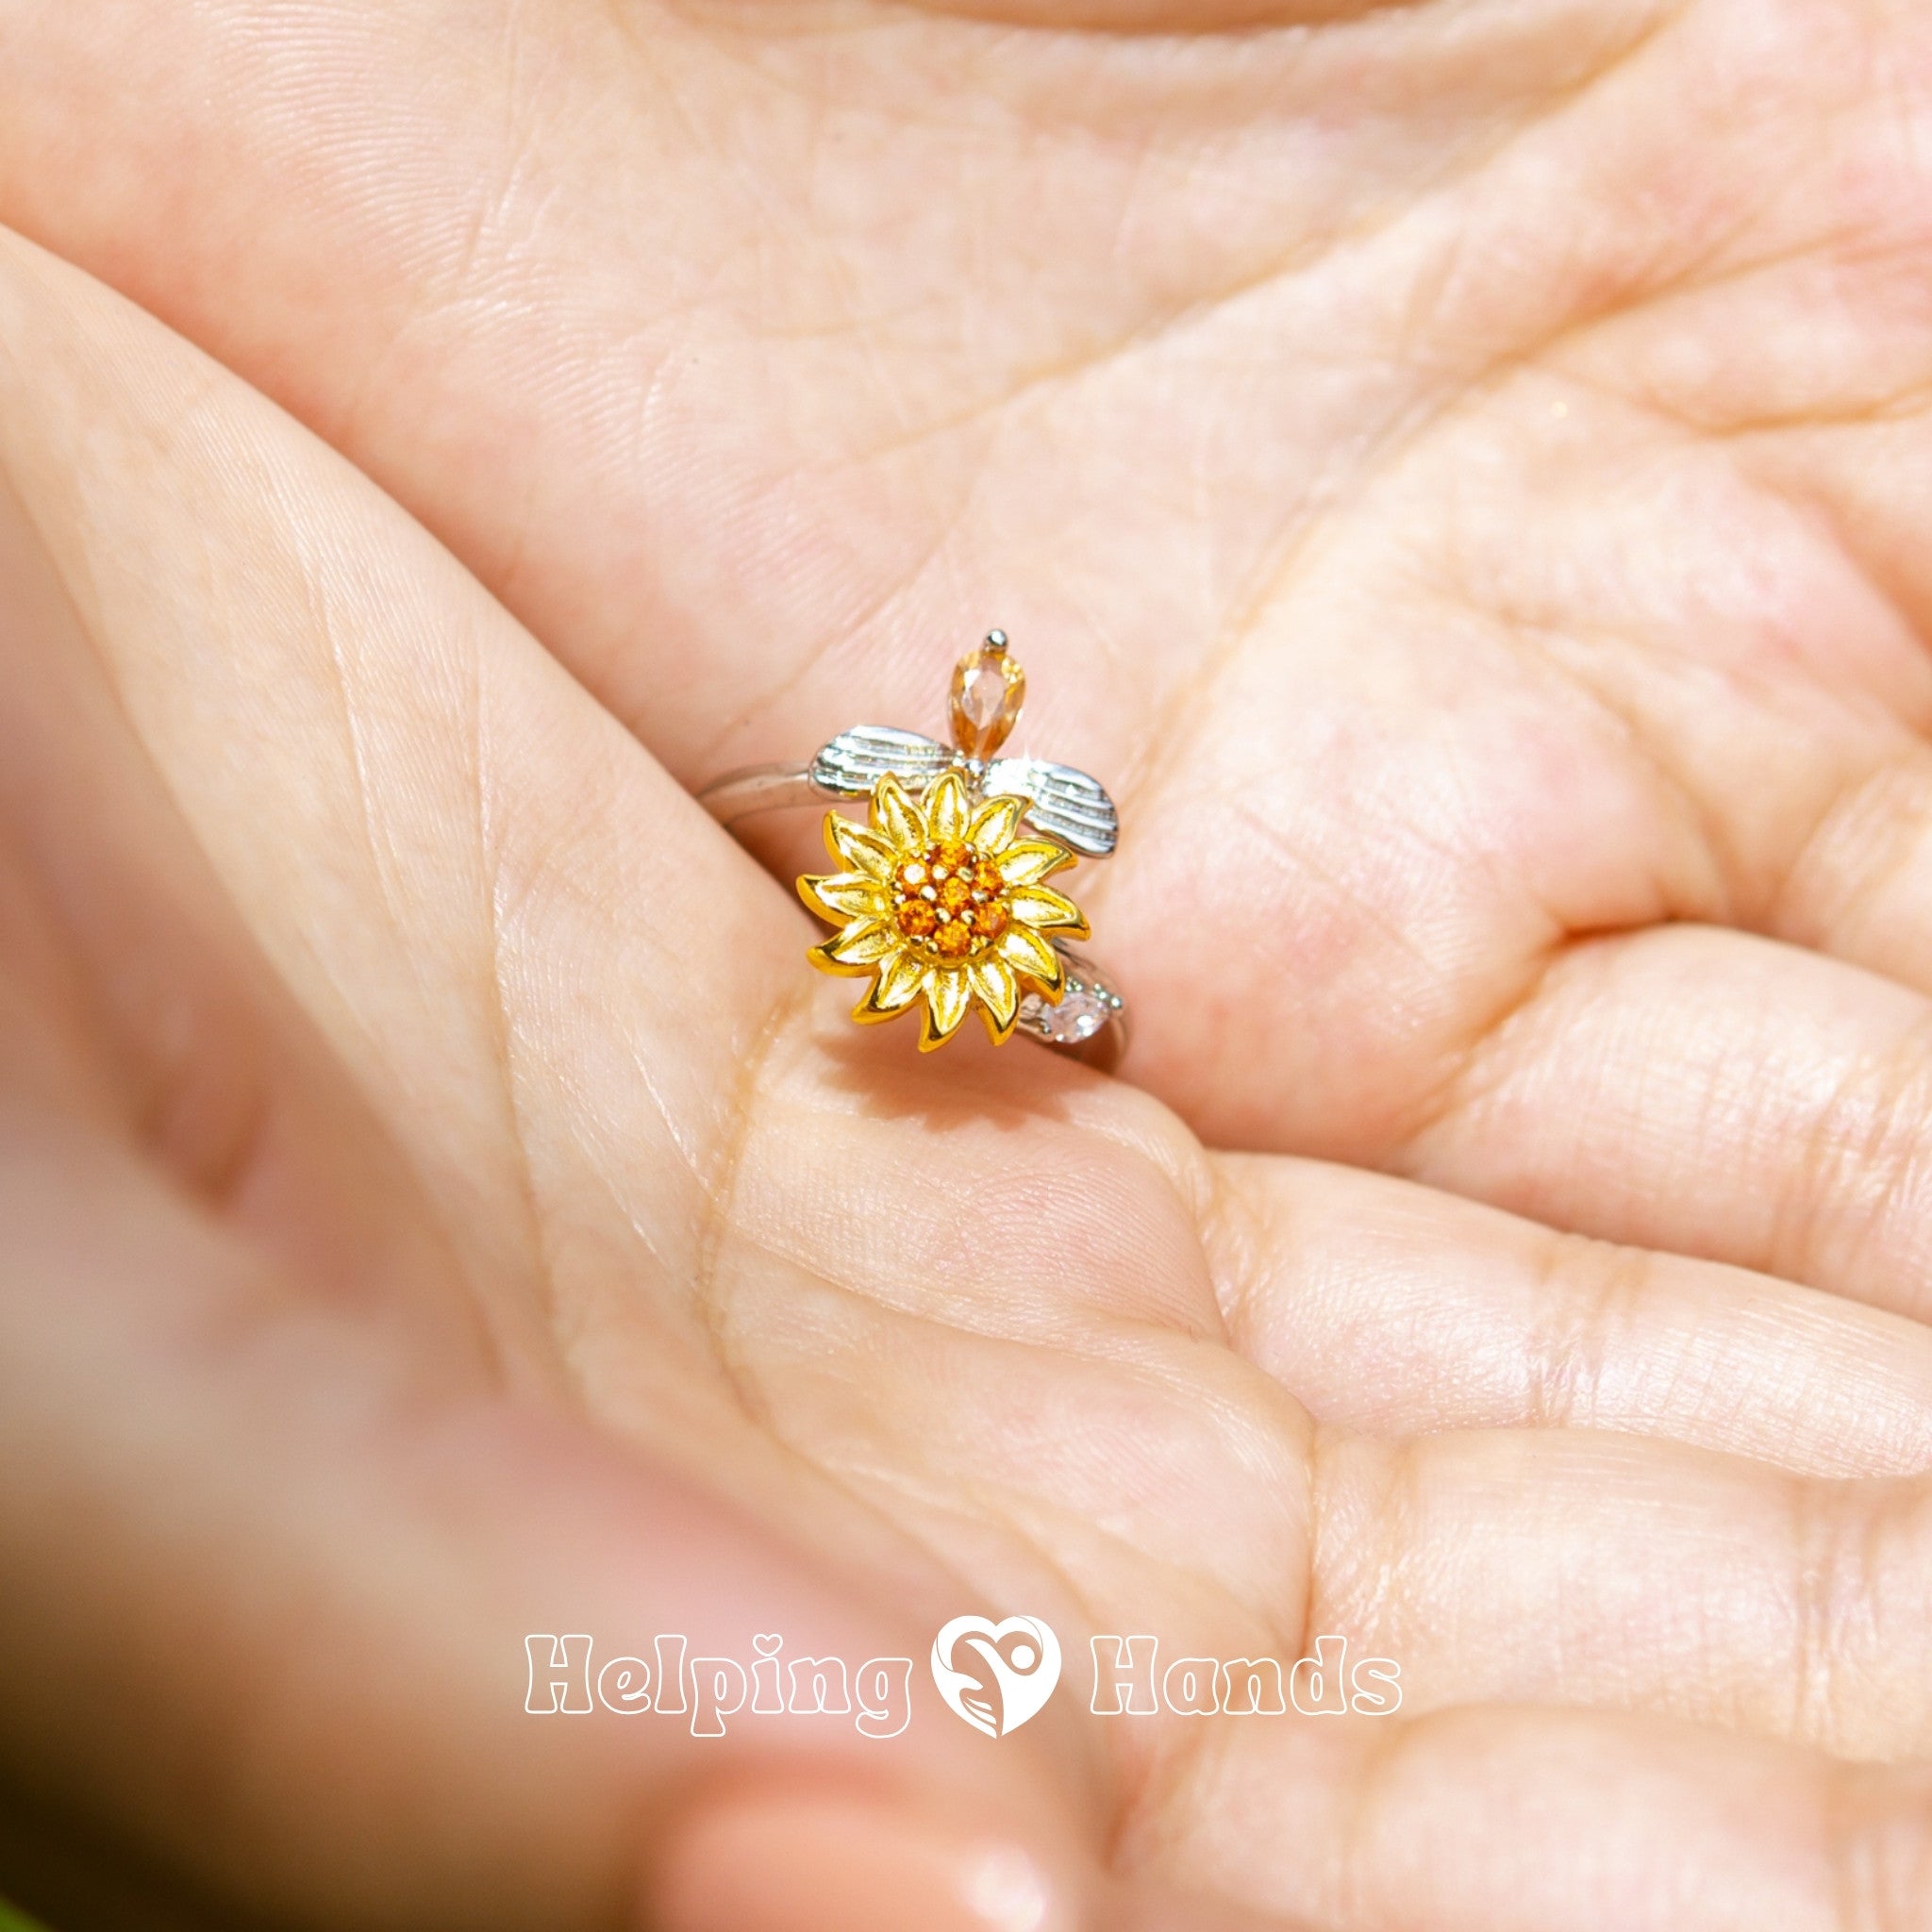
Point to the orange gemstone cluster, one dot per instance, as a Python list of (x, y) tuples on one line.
[(950, 901), (940, 895)]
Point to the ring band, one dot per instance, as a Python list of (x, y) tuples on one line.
[(944, 893)]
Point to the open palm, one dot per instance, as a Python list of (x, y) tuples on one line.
[(1454, 471)]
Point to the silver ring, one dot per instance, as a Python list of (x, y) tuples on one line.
[(942, 900)]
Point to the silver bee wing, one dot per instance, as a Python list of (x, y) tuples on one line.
[(1066, 804), (856, 761)]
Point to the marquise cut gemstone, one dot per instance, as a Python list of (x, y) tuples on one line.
[(988, 688), (1083, 1009)]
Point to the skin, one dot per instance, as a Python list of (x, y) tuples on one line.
[(1456, 471)]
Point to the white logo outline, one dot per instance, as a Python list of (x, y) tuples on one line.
[(1006, 1688)]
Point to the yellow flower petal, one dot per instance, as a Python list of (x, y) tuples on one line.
[(895, 989), (948, 805), (1029, 954), (997, 991), (1031, 860), (862, 944), (895, 818), (1051, 911), (995, 824), (845, 895), (856, 849), (947, 999)]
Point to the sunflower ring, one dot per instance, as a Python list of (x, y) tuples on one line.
[(940, 900)]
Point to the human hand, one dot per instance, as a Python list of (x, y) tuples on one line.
[(1471, 511)]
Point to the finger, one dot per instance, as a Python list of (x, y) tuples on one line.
[(1713, 1094), (740, 1234), (1396, 1311), (389, 780), (136, 997), (305, 1560), (1615, 1825), (304, 1547), (340, 794), (1587, 1569)]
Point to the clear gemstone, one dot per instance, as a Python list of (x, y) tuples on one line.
[(1082, 1012)]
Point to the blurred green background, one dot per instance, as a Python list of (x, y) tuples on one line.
[(13, 1920)]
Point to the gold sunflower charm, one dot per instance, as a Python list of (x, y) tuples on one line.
[(939, 897)]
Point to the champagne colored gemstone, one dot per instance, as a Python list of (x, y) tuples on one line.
[(912, 875), (916, 919), (956, 894), (952, 855), (988, 688), (952, 942), (986, 877), (990, 921)]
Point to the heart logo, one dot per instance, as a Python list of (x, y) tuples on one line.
[(996, 1676)]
